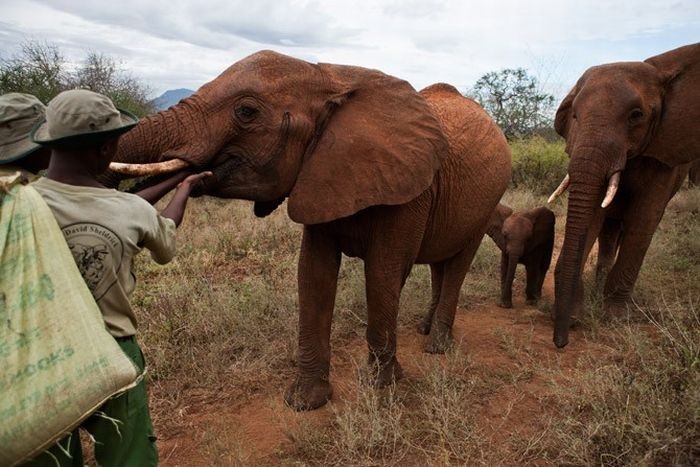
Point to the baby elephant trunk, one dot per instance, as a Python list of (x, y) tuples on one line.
[(509, 262)]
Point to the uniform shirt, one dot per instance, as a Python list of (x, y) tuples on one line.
[(105, 229)]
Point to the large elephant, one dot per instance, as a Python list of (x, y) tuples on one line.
[(631, 130), (524, 237), (372, 168)]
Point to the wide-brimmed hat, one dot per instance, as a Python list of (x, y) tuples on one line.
[(19, 113), (80, 117)]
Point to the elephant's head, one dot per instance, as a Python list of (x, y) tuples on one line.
[(616, 112), (334, 139)]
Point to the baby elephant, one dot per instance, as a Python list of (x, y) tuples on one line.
[(525, 237)]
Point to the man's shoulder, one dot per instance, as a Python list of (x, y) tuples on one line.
[(136, 205)]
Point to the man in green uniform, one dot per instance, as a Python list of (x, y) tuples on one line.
[(105, 229)]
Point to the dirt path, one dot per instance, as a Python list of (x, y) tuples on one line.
[(258, 428)]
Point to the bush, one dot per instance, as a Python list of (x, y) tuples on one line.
[(41, 69), (538, 165)]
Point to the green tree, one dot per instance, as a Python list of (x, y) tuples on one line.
[(38, 69), (41, 69), (515, 101), (101, 73)]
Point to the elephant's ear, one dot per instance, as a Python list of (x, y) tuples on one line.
[(563, 115), (377, 143), (677, 138), (543, 221)]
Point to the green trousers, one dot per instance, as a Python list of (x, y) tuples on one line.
[(128, 441)]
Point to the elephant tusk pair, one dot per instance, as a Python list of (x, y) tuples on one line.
[(613, 184), (560, 189), (140, 170)]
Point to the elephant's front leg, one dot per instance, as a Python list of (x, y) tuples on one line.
[(319, 262), (634, 243), (394, 242), (607, 248), (383, 293), (533, 287)]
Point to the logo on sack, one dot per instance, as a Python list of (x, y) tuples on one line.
[(97, 252)]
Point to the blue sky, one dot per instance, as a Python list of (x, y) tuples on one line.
[(182, 43)]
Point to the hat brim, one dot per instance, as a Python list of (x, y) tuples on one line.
[(40, 133), (18, 150)]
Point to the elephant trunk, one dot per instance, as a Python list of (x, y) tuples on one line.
[(176, 133), (589, 173)]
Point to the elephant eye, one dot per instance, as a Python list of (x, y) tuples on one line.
[(636, 115), (246, 113)]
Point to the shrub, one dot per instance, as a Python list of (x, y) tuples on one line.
[(40, 68), (538, 165)]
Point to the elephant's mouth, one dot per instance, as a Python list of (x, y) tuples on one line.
[(200, 187), (223, 166)]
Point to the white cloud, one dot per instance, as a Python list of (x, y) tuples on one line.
[(181, 43)]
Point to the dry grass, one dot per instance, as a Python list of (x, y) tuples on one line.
[(220, 324), (642, 408), (427, 420)]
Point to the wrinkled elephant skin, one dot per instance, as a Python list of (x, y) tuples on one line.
[(370, 167), (638, 120)]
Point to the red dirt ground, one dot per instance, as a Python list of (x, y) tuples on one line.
[(258, 427)]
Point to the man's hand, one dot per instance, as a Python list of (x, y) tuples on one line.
[(176, 209), (194, 178)]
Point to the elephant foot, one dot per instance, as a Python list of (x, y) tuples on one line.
[(308, 394), (615, 307), (532, 301), (504, 304), (424, 326), (439, 342), (384, 374)]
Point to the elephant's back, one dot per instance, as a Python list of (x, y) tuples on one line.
[(478, 147), (472, 179)]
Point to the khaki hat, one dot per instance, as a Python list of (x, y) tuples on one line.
[(19, 113), (81, 117)]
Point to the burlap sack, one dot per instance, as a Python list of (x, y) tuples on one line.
[(58, 363)]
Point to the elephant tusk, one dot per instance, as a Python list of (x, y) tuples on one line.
[(560, 189), (139, 170), (613, 184)]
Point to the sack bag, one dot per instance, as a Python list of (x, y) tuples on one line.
[(58, 363)]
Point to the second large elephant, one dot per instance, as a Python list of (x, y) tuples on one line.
[(632, 129), (370, 167)]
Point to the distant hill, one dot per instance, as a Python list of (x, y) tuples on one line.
[(171, 97)]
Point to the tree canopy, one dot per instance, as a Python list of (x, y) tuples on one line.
[(515, 101), (40, 68)]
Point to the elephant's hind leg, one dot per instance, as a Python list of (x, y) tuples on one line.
[(454, 271), (436, 274)]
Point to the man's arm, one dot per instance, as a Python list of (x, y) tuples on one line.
[(176, 208), (154, 193)]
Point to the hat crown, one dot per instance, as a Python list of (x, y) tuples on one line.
[(19, 112), (80, 111), (18, 106)]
